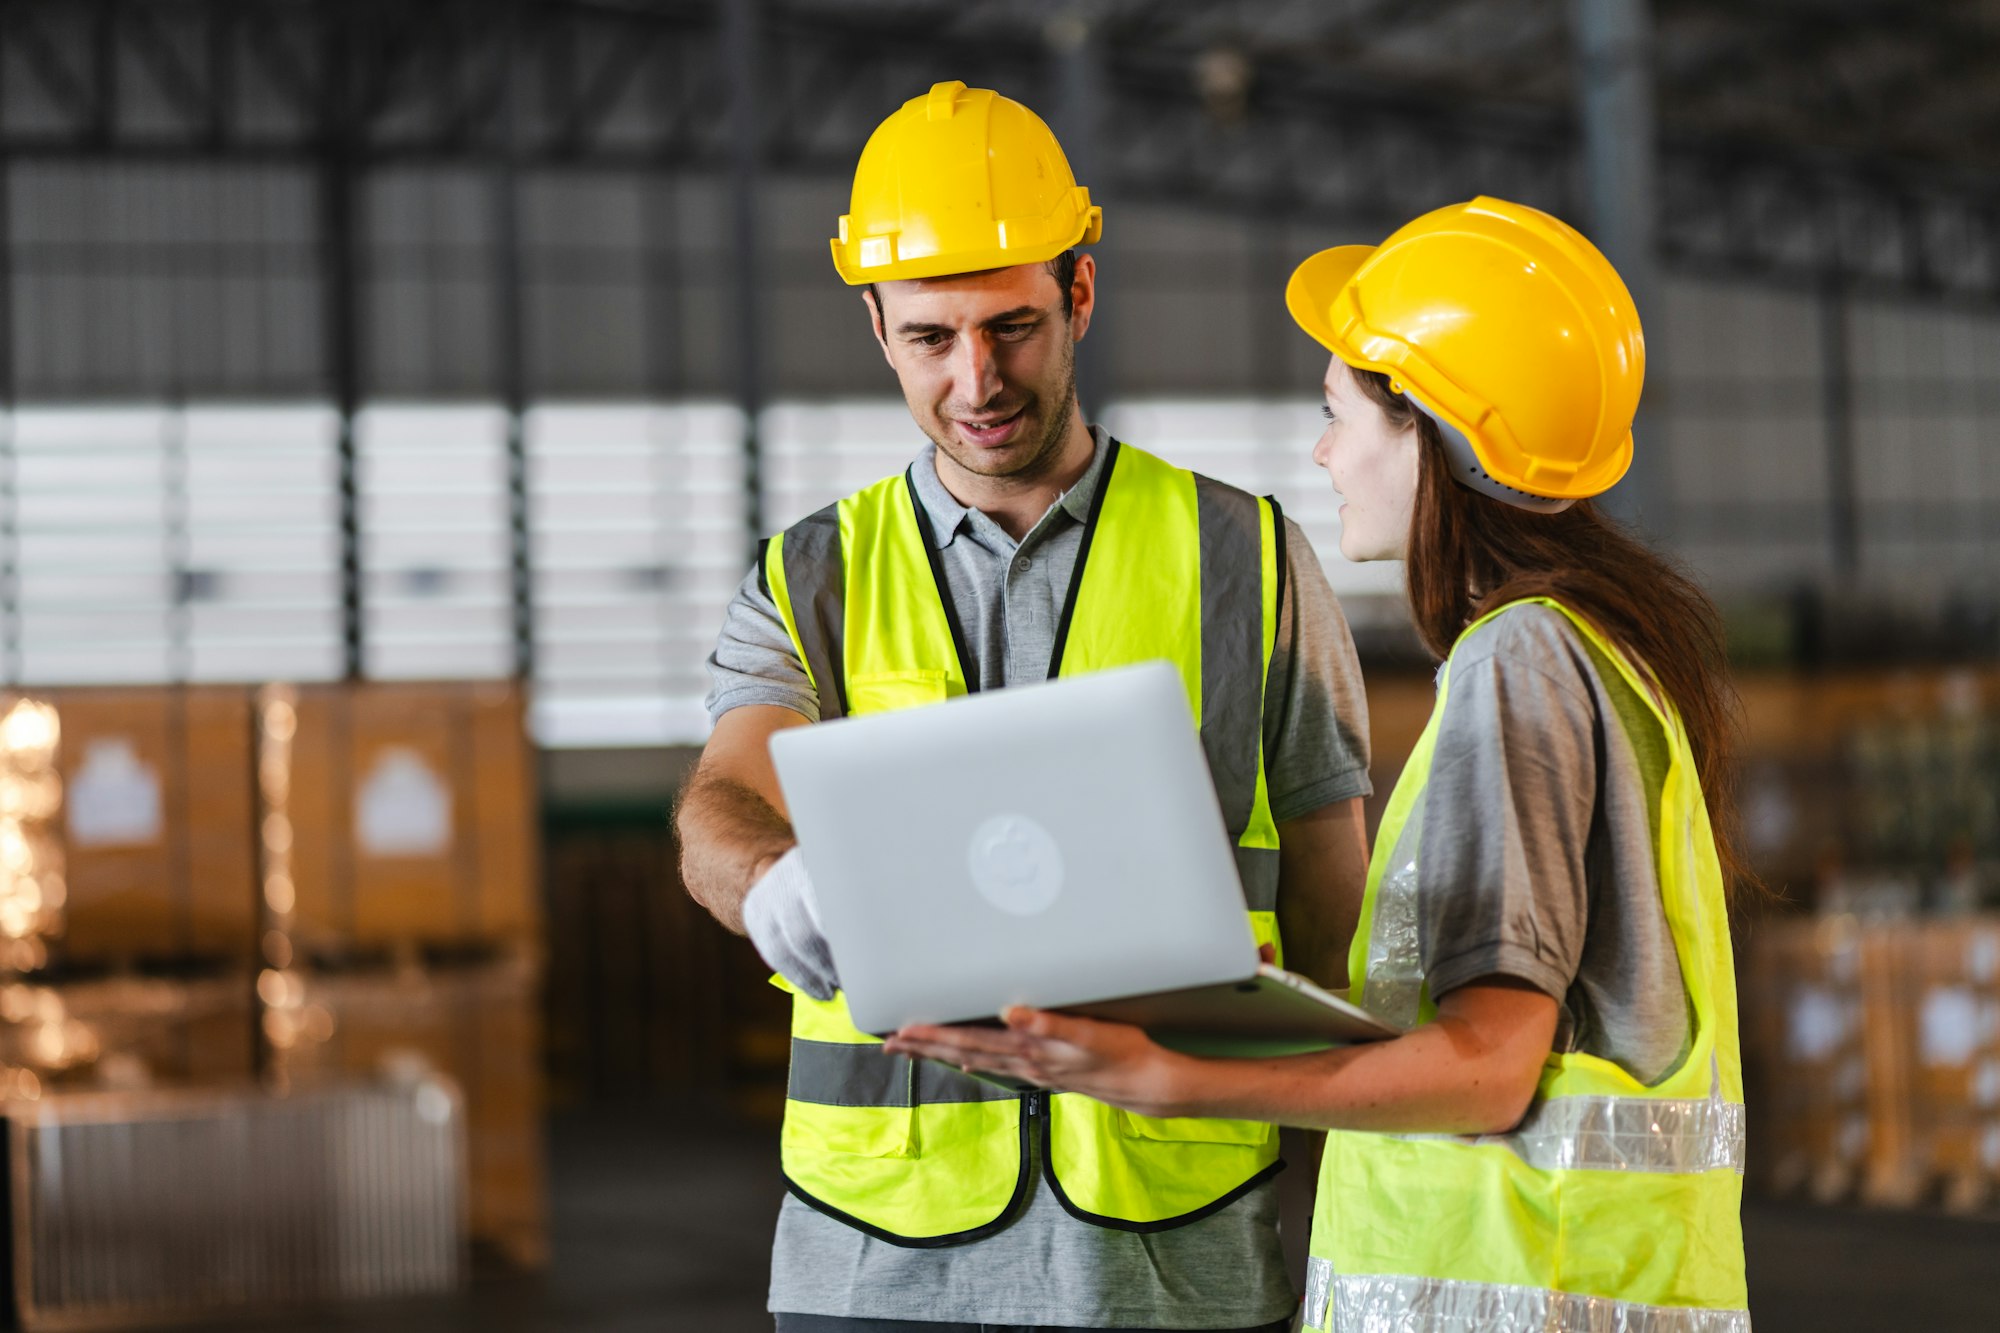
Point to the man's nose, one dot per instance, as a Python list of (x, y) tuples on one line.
[(976, 372)]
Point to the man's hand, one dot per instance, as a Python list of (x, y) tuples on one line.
[(1116, 1063), (781, 916), (1113, 1062)]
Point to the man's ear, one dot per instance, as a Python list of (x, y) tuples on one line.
[(1082, 296), (874, 302)]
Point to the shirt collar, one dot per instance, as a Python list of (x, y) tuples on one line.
[(947, 515)]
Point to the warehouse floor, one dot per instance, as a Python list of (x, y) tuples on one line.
[(662, 1223)]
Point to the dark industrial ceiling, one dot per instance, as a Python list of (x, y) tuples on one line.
[(1804, 140)]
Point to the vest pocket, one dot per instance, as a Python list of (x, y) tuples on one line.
[(847, 1098), (853, 1131), (886, 691), (1188, 1129)]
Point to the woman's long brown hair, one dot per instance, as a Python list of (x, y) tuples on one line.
[(1469, 555)]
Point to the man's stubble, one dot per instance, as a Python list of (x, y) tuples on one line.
[(1048, 450)]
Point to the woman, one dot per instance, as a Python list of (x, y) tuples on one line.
[(1556, 1143)]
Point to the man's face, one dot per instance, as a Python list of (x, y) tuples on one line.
[(988, 362)]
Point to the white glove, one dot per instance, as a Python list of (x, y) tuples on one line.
[(781, 916)]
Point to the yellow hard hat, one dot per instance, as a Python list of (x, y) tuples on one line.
[(959, 180), (1508, 329)]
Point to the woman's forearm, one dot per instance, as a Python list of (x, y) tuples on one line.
[(1472, 1071)]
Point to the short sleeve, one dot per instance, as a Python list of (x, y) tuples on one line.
[(754, 661), (1502, 879), (1316, 712)]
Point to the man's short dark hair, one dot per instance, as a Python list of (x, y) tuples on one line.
[(1062, 268)]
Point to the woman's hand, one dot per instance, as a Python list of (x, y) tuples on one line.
[(1113, 1062)]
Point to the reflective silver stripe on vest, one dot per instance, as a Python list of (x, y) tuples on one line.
[(815, 580), (1395, 1304), (1232, 644), (838, 1073), (1673, 1136), (1395, 977), (1257, 867)]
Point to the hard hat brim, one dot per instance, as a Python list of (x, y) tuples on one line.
[(957, 264), (1310, 293)]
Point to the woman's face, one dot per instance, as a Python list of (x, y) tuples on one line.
[(1373, 466)]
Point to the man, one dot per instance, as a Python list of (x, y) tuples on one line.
[(1022, 544)]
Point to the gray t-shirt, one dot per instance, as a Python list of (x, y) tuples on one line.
[(1046, 1267), (1536, 853)]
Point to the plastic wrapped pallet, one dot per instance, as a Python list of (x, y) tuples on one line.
[(1897, 1173), (1949, 1020), (1804, 1029), (345, 1193), (1877, 1050)]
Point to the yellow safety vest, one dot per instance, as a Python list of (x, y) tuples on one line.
[(1172, 566), (1614, 1204)]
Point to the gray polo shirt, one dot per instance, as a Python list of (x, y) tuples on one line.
[(1045, 1267)]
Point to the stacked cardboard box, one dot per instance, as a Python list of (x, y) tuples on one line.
[(479, 1024), (1882, 787), (158, 825), (143, 1031), (1805, 1039), (1875, 1052), (413, 818), (407, 820), (140, 969), (1935, 1067), (402, 875)]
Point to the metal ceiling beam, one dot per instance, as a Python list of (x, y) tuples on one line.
[(743, 38), (1319, 141), (1614, 83)]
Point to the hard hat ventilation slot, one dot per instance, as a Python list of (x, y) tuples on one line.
[(1468, 472)]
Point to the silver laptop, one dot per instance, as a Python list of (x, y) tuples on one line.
[(1056, 845)]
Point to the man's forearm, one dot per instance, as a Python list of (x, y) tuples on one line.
[(729, 835), (1323, 869)]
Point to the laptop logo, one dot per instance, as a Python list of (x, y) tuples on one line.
[(1015, 864)]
